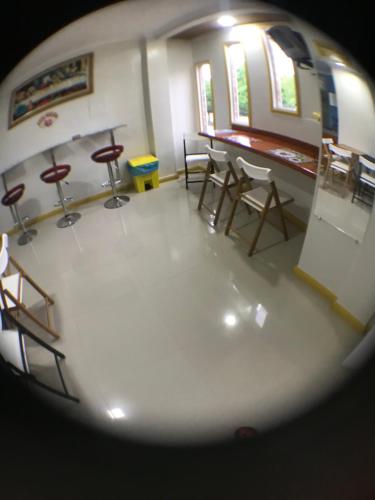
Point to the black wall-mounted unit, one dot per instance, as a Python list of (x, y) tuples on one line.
[(293, 44)]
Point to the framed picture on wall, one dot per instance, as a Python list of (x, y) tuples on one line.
[(60, 83)]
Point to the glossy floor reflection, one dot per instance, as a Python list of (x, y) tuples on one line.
[(334, 205), (172, 334)]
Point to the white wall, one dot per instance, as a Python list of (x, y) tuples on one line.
[(181, 81), (355, 110), (208, 48), (211, 47), (116, 34), (160, 105), (118, 98), (346, 267)]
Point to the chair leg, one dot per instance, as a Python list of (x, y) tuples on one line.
[(234, 206), (220, 204), (185, 166), (258, 231), (285, 229), (204, 187), (231, 217), (261, 224), (348, 178), (282, 217), (186, 176)]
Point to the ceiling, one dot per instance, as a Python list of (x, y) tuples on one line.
[(198, 29), (27, 24)]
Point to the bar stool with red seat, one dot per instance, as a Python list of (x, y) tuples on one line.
[(55, 175), (10, 199), (108, 155)]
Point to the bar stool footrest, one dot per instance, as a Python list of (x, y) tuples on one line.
[(108, 183), (59, 204)]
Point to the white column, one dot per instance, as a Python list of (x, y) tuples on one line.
[(160, 105)]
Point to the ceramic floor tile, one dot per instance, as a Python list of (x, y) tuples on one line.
[(169, 325)]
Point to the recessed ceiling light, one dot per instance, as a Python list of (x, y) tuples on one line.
[(226, 21), (116, 413), (230, 320)]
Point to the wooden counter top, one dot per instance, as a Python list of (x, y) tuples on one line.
[(266, 143)]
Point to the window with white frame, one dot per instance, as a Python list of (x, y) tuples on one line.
[(205, 96), (283, 79), (238, 84)]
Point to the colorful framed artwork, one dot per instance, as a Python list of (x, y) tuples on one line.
[(67, 80)]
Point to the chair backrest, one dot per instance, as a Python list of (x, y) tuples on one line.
[(344, 153), (194, 143), (254, 172), (4, 257), (326, 141), (193, 136), (370, 165), (10, 349), (220, 159), (218, 156)]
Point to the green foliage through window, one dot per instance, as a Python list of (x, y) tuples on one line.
[(283, 75), (208, 92), (288, 92), (243, 95)]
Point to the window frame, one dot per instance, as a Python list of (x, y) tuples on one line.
[(273, 108), (198, 66), (233, 123)]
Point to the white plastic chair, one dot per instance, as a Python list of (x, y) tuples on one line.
[(262, 198), (221, 172)]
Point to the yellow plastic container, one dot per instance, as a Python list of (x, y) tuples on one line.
[(141, 181), (144, 171)]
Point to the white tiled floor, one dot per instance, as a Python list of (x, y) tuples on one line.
[(171, 321), (334, 205)]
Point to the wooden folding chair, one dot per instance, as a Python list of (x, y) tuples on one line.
[(339, 161), (221, 172), (262, 198), (11, 290), (326, 156), (364, 189)]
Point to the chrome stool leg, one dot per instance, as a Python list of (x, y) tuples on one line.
[(27, 234), (116, 201), (69, 218)]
